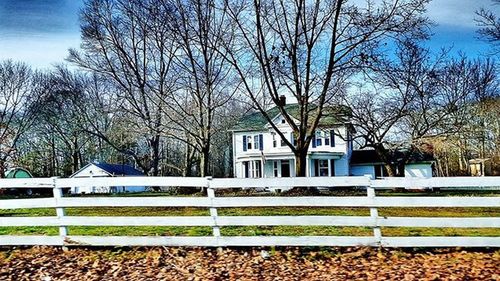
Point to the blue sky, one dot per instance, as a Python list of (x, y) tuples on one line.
[(40, 32)]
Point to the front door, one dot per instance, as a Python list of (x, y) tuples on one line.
[(285, 168)]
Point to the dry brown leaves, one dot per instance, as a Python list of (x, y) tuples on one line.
[(50, 264)]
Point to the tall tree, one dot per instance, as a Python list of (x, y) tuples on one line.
[(129, 42), (205, 78), (411, 99), (20, 90), (307, 50)]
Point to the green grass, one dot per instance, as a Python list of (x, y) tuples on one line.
[(261, 230), (254, 230)]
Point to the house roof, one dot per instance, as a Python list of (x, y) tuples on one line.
[(369, 156), (119, 169), (113, 169), (18, 173), (256, 120)]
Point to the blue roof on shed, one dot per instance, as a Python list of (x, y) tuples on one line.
[(119, 169)]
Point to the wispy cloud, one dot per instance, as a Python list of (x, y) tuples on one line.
[(458, 13)]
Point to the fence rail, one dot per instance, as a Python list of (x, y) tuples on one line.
[(215, 221)]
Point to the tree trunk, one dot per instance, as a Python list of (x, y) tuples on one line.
[(391, 169), (75, 157), (385, 156), (155, 154), (54, 162), (187, 162), (204, 159), (2, 169), (301, 163)]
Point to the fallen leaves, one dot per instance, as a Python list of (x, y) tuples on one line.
[(164, 263)]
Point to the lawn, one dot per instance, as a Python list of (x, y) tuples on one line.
[(262, 230)]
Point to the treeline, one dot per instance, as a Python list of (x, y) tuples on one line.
[(158, 84)]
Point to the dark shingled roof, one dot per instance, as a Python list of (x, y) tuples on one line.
[(256, 121), (359, 157), (119, 169)]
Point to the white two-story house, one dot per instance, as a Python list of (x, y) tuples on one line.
[(258, 150)]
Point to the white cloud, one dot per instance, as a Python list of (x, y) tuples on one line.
[(459, 13), (40, 52)]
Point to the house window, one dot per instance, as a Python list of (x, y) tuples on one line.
[(324, 167), (249, 142), (252, 169), (283, 143), (275, 168), (292, 139), (380, 171), (319, 138), (253, 142), (256, 141), (283, 121), (275, 143), (255, 170)]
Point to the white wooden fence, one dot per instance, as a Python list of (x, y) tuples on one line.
[(215, 221)]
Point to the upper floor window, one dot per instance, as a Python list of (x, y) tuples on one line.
[(256, 141), (249, 142), (253, 142), (275, 143), (283, 143), (323, 138)]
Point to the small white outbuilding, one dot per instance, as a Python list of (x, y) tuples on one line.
[(101, 169)]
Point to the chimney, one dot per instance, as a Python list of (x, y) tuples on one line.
[(282, 101)]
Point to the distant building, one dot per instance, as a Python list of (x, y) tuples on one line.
[(259, 152), (99, 170), (480, 167), (367, 162), (18, 173)]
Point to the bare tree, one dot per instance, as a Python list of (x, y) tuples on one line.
[(129, 43), (411, 100), (307, 50), (489, 24), (205, 78), (20, 89)]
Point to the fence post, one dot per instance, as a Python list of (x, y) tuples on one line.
[(377, 233), (58, 193), (213, 211)]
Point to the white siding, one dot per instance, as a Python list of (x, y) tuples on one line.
[(92, 171), (418, 170), (340, 142)]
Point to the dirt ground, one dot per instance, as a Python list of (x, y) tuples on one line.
[(158, 263)]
